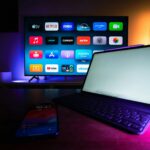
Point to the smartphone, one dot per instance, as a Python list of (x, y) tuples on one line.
[(41, 120)]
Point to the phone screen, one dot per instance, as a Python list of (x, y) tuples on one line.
[(42, 120)]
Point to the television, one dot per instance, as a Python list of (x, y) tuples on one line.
[(64, 45)]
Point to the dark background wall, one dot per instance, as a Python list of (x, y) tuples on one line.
[(9, 16), (11, 43)]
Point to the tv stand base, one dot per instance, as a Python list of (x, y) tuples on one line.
[(34, 77)]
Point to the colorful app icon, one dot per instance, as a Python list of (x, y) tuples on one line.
[(83, 54), (99, 40), (67, 26), (51, 68), (100, 26), (51, 54), (52, 40), (67, 40), (83, 27), (37, 54), (67, 68), (51, 26), (67, 54), (115, 40), (82, 68), (116, 26), (83, 40), (35, 40), (36, 68)]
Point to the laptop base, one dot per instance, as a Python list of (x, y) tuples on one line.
[(108, 110)]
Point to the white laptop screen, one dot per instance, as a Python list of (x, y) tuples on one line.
[(122, 74)]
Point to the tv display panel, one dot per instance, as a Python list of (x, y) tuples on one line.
[(65, 45)]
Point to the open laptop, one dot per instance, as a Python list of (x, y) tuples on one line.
[(116, 89)]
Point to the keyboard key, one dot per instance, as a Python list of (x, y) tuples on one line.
[(137, 127), (126, 122)]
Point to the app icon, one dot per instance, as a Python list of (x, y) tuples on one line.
[(35, 40), (95, 51), (67, 26), (83, 27), (83, 54), (35, 27), (83, 40), (52, 40), (51, 68), (115, 40), (82, 68), (99, 40), (67, 68), (51, 26), (100, 26), (67, 54), (36, 68), (116, 26), (67, 40), (36, 54), (51, 54)]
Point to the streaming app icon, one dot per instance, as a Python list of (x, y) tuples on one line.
[(99, 40), (52, 40), (51, 68), (67, 68), (67, 54), (51, 26), (67, 40), (35, 40), (51, 54), (115, 40), (82, 68), (100, 26), (36, 68), (116, 26), (83, 54), (35, 27), (67, 26), (83, 40), (83, 27), (36, 54)]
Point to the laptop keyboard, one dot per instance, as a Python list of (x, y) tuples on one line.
[(123, 117)]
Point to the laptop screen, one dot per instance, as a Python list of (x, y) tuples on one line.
[(122, 74)]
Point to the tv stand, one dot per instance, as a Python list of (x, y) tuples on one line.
[(36, 77)]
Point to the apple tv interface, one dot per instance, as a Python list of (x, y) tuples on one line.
[(65, 45)]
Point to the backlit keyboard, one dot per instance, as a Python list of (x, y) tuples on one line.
[(123, 117)]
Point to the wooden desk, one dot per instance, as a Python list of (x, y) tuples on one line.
[(76, 131)]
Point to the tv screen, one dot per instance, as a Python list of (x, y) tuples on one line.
[(65, 45)]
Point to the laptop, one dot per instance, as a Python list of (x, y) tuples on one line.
[(116, 89)]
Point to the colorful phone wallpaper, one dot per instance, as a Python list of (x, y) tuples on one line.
[(39, 121)]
